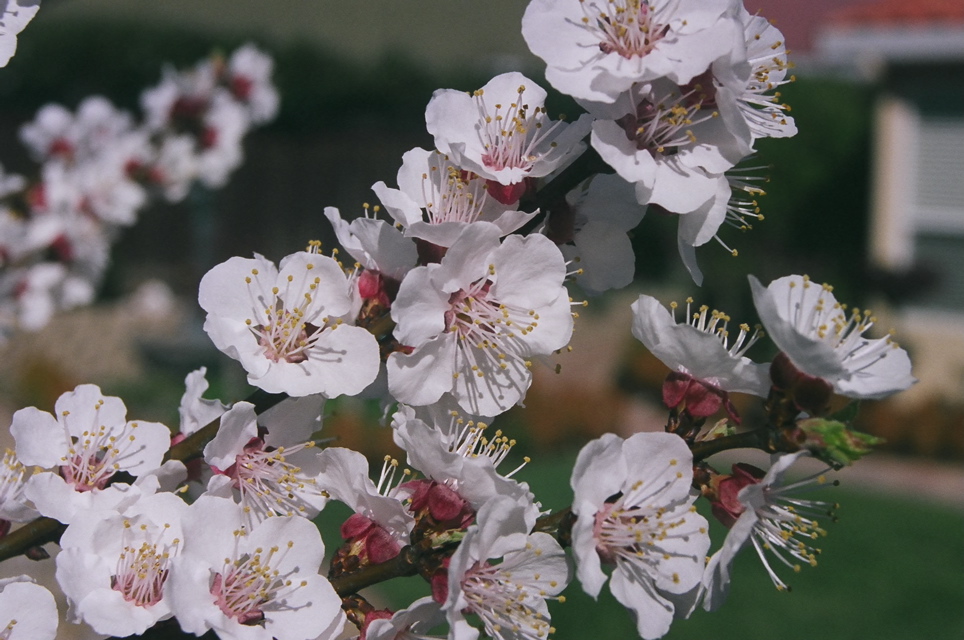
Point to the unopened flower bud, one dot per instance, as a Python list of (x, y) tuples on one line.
[(726, 505)]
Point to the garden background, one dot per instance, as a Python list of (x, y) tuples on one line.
[(354, 80)]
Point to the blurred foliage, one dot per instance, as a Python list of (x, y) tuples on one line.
[(66, 62), (815, 209)]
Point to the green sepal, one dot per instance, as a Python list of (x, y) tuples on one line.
[(721, 429), (835, 443), (450, 537)]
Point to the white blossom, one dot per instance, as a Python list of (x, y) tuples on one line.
[(285, 326), (87, 441), (113, 565), (266, 480), (777, 522), (825, 340), (437, 198), (251, 584), (670, 142), (634, 508), (504, 575), (501, 132), (600, 245), (475, 320), (596, 49), (700, 345)]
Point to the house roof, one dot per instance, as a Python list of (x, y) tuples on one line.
[(894, 31), (899, 13)]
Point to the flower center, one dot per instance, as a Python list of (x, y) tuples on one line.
[(93, 457), (787, 526), (269, 484), (285, 335), (11, 479), (245, 586), (664, 126), (504, 604), (633, 527), (512, 136), (452, 195), (832, 325), (628, 28), (716, 323), (142, 570)]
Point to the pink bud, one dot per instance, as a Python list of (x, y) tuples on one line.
[(726, 505), (506, 194)]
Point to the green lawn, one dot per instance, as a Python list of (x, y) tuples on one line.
[(891, 569)]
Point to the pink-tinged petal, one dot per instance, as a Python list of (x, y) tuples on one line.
[(716, 576), (80, 573), (147, 444), (660, 446), (188, 590), (811, 356), (700, 225), (239, 425), (599, 473), (419, 308), (220, 487), (225, 291), (293, 420), (605, 256), (205, 542), (34, 609), (468, 258), (343, 361), (884, 377), (678, 188), (451, 116), (345, 475), (167, 477), (306, 552), (687, 254), (195, 411), (55, 498), (489, 389), (619, 152), (443, 234), (612, 200), (106, 611), (529, 271), (421, 377), (233, 336), (88, 409), (41, 440), (653, 612), (391, 253), (700, 353), (302, 274), (512, 219), (555, 327), (309, 612), (403, 209)]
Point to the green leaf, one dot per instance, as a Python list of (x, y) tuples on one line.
[(835, 443)]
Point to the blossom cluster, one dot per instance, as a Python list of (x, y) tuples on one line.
[(447, 306), (99, 167)]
